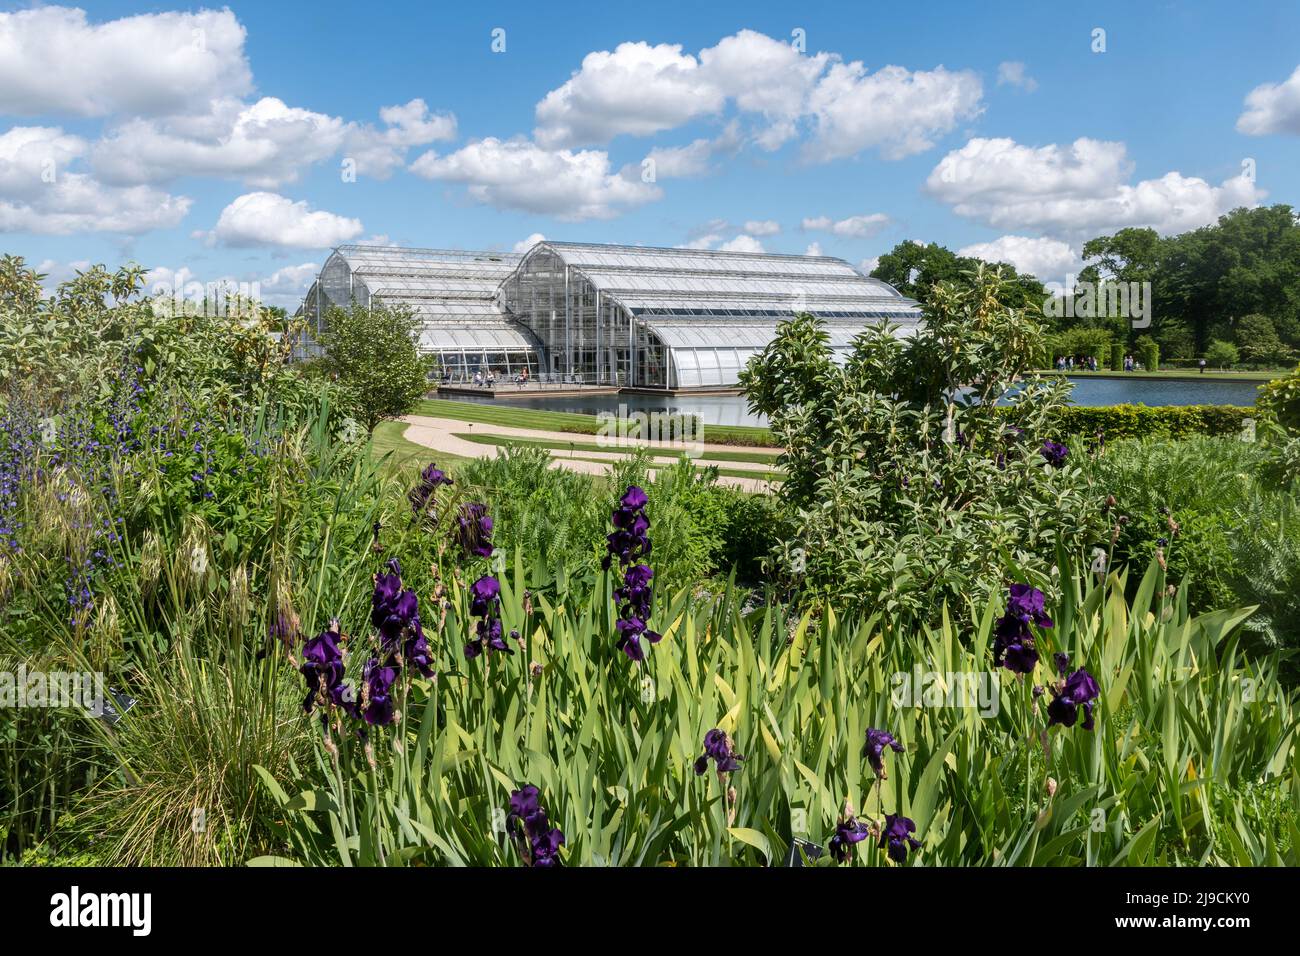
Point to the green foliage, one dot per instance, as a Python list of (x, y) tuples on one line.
[(1260, 345), (1234, 537), (1148, 353), (1282, 466), (95, 330), (1222, 354), (559, 518), (902, 490), (1184, 766), (1246, 263), (1150, 421), (372, 353), (1279, 401), (916, 270), (1081, 341), (1117, 356)]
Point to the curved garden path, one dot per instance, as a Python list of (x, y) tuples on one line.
[(443, 434)]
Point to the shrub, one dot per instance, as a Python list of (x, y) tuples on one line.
[(1117, 356), (1148, 353), (1260, 345), (1279, 401), (902, 490), (1143, 421), (1237, 540)]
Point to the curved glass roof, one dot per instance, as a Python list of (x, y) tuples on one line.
[(452, 292), (693, 300), (719, 295)]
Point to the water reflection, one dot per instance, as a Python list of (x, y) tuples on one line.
[(733, 409)]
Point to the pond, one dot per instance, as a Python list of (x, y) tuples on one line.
[(732, 409)]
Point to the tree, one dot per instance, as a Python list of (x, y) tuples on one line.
[(914, 270), (1259, 342), (372, 355), (1247, 262), (1176, 341), (1222, 354)]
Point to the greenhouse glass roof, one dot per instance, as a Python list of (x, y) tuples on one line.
[(452, 292), (695, 285)]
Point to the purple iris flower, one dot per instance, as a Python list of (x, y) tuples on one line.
[(538, 842), (629, 540), (847, 833), (1013, 640), (874, 749), (1080, 689), (1054, 453), (423, 496), (717, 747), (474, 530), (897, 836), (396, 613), (1062, 661), (485, 604), (322, 668), (378, 706)]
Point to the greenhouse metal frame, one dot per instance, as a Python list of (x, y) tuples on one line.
[(629, 316)]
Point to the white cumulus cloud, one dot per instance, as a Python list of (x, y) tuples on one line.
[(265, 144), (1014, 73), (54, 60), (1272, 108), (639, 89), (378, 153), (1075, 190), (852, 227), (1050, 260), (42, 192), (518, 174), (269, 219)]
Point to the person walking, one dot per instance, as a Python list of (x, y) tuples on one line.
[(1202, 366)]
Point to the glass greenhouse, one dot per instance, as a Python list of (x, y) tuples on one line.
[(606, 314), (452, 293)]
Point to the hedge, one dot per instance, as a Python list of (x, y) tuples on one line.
[(1160, 421)]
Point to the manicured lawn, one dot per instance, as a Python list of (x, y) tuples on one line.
[(727, 472), (407, 456), (757, 457), (570, 422)]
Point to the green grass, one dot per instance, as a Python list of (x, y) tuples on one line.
[(570, 421), (725, 472), (406, 456), (755, 457)]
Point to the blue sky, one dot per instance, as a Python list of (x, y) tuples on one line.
[(211, 143)]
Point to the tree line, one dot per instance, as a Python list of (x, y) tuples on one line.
[(1229, 292)]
